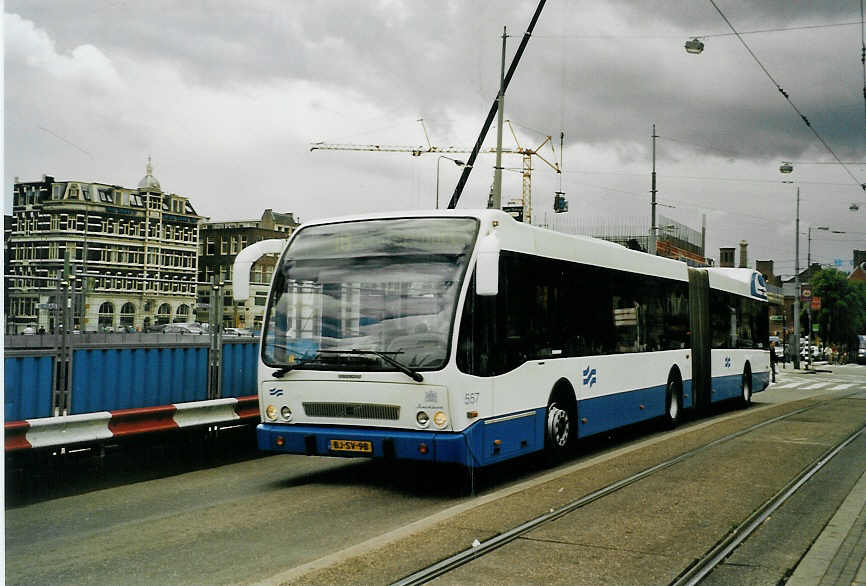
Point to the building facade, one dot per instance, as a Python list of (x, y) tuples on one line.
[(220, 243), (127, 257)]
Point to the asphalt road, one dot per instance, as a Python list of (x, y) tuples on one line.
[(317, 520)]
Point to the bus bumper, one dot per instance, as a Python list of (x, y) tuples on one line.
[(425, 446)]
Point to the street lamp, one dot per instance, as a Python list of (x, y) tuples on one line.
[(786, 168), (694, 46), (457, 162), (809, 265)]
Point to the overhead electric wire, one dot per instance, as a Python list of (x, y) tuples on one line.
[(703, 36), (706, 178), (859, 183)]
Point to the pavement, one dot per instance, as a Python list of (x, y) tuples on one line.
[(838, 555), (647, 532)]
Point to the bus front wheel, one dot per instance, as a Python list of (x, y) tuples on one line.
[(559, 428)]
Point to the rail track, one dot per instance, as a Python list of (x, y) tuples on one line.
[(695, 571)]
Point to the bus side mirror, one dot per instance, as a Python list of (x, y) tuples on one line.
[(487, 266)]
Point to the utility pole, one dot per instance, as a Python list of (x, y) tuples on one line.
[(653, 229), (496, 196), (797, 284), (458, 190), (216, 339)]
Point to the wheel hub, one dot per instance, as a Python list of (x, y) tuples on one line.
[(558, 427)]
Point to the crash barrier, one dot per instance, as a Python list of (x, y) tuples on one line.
[(102, 426), (128, 375)]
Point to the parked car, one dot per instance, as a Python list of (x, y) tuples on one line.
[(817, 353), (861, 349), (237, 332), (29, 331), (182, 328)]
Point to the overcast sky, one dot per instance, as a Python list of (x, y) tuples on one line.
[(227, 96)]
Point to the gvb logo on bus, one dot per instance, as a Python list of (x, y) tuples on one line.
[(589, 376), (728, 361), (275, 392), (759, 286)]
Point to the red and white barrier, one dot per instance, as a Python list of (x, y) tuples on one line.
[(104, 425)]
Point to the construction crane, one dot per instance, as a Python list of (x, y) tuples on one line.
[(526, 171), (417, 151)]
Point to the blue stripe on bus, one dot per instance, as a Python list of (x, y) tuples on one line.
[(688, 398), (730, 386), (475, 446), (489, 441), (760, 381), (620, 409), (726, 387)]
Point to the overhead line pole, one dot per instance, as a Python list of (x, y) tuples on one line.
[(458, 191), (496, 200), (653, 191)]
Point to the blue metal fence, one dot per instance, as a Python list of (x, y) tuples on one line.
[(27, 387), (110, 378), (105, 379), (239, 376)]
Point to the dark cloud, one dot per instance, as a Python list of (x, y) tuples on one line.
[(229, 93)]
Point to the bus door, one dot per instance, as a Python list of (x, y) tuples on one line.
[(699, 322)]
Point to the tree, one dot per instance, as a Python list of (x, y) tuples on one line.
[(843, 307)]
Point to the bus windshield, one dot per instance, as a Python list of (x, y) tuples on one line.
[(346, 291)]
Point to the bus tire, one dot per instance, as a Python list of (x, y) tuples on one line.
[(673, 402), (746, 387), (560, 425)]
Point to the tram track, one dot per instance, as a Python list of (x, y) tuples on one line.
[(706, 564), (698, 569)]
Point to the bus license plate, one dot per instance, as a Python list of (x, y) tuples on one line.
[(362, 447)]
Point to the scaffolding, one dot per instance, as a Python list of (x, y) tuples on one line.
[(675, 239)]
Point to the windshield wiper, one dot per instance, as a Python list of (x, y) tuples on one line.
[(413, 374)]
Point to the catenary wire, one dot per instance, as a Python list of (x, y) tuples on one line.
[(788, 98)]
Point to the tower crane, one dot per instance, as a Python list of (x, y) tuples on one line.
[(417, 151), (526, 173)]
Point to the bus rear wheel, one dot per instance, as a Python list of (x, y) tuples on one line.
[(673, 403), (746, 390)]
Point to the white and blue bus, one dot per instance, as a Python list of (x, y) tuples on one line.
[(466, 337)]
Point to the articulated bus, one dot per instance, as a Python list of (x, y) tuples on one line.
[(466, 337)]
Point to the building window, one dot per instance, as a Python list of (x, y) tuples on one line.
[(224, 246), (127, 314), (211, 249), (234, 244), (182, 314), (106, 315)]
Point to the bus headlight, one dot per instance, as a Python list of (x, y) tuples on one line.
[(286, 413), (440, 419), (271, 412), (422, 418)]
